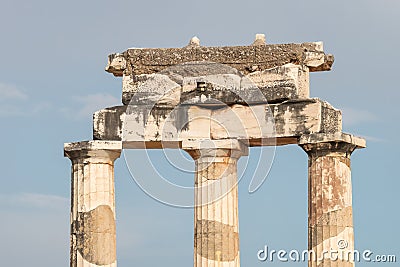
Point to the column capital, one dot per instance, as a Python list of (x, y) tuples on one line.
[(324, 144), (107, 150), (231, 148)]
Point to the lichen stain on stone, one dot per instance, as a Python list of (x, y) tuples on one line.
[(96, 237), (332, 179), (216, 241)]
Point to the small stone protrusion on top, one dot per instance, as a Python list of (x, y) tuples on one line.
[(194, 42), (260, 39)]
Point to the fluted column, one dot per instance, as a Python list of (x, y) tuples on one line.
[(93, 232), (330, 219), (216, 223)]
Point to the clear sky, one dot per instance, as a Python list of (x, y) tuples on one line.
[(52, 79)]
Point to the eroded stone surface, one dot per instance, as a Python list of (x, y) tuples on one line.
[(210, 83), (290, 119), (216, 241), (281, 83), (335, 140), (330, 218), (246, 59), (117, 64), (148, 89), (96, 235)]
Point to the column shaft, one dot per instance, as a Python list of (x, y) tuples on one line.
[(93, 231), (330, 220), (216, 222)]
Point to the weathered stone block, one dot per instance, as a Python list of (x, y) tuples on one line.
[(288, 119), (107, 123), (151, 124), (214, 84), (285, 82), (148, 89), (246, 59)]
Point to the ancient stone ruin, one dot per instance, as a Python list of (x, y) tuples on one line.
[(215, 103)]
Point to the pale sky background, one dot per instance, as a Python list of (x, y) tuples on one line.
[(52, 79)]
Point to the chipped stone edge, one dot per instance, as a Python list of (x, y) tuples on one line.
[(316, 138), (117, 62), (92, 145)]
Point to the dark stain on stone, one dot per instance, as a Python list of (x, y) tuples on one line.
[(110, 119), (181, 115), (95, 235), (216, 241), (330, 118)]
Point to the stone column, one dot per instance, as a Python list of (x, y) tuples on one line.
[(330, 220), (93, 237), (216, 223)]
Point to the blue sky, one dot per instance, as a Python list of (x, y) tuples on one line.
[(52, 79)]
